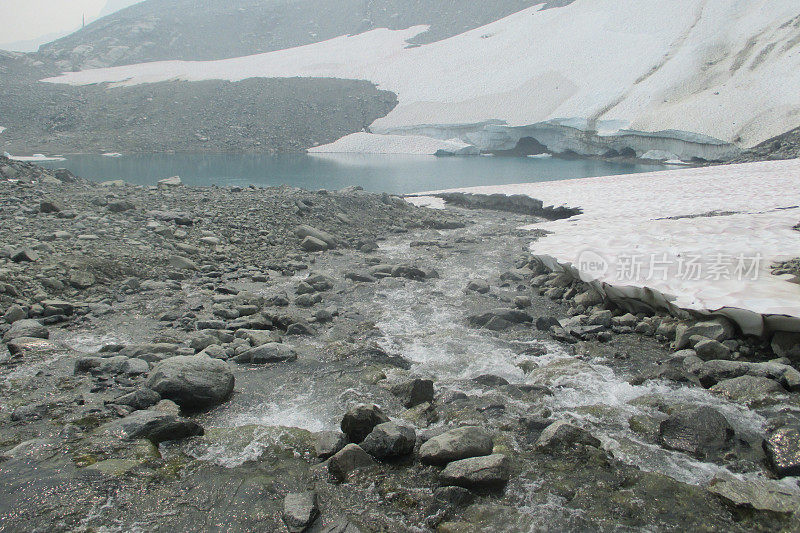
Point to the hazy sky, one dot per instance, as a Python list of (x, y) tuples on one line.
[(25, 20)]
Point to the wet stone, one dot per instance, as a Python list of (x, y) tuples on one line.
[(562, 435), (154, 426), (347, 460), (782, 448), (491, 471), (700, 432), (360, 420), (459, 443), (300, 510), (389, 440), (414, 392), (328, 443)]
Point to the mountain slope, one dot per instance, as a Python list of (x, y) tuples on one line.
[(204, 30), (691, 78)]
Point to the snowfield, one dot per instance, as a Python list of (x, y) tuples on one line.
[(700, 239), (728, 69)]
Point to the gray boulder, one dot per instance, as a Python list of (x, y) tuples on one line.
[(309, 231), (154, 426), (360, 420), (782, 448), (312, 244), (700, 432), (348, 460), (193, 382), (750, 390), (414, 392), (272, 352), (456, 444), (480, 286), (499, 319), (182, 263), (389, 440), (26, 328), (719, 329), (758, 494), (300, 510), (491, 471), (786, 344), (327, 443), (14, 313), (712, 372), (709, 349), (139, 399), (562, 435)]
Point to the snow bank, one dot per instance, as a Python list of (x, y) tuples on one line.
[(698, 239), (36, 157), (703, 66), (365, 143)]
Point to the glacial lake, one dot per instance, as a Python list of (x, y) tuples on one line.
[(396, 174)]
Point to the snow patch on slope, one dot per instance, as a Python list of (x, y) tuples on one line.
[(704, 66), (639, 236), (365, 143)]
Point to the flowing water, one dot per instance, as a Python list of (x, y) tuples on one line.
[(425, 322)]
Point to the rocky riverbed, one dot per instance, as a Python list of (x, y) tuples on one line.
[(242, 359)]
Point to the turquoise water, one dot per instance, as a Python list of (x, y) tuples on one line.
[(380, 173)]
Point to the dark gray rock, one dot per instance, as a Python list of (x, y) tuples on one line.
[(709, 349), (782, 448), (50, 206), (272, 352), (25, 255), (712, 372), (414, 392), (750, 390), (300, 510), (409, 272), (480, 286), (546, 323), (389, 440), (193, 382), (14, 313), (499, 317), (360, 420), (456, 444), (26, 328), (154, 426), (718, 329), (305, 231), (328, 443), (120, 206), (360, 277), (139, 399), (491, 471), (786, 344), (562, 435), (701, 432), (312, 244), (490, 380), (347, 460)]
